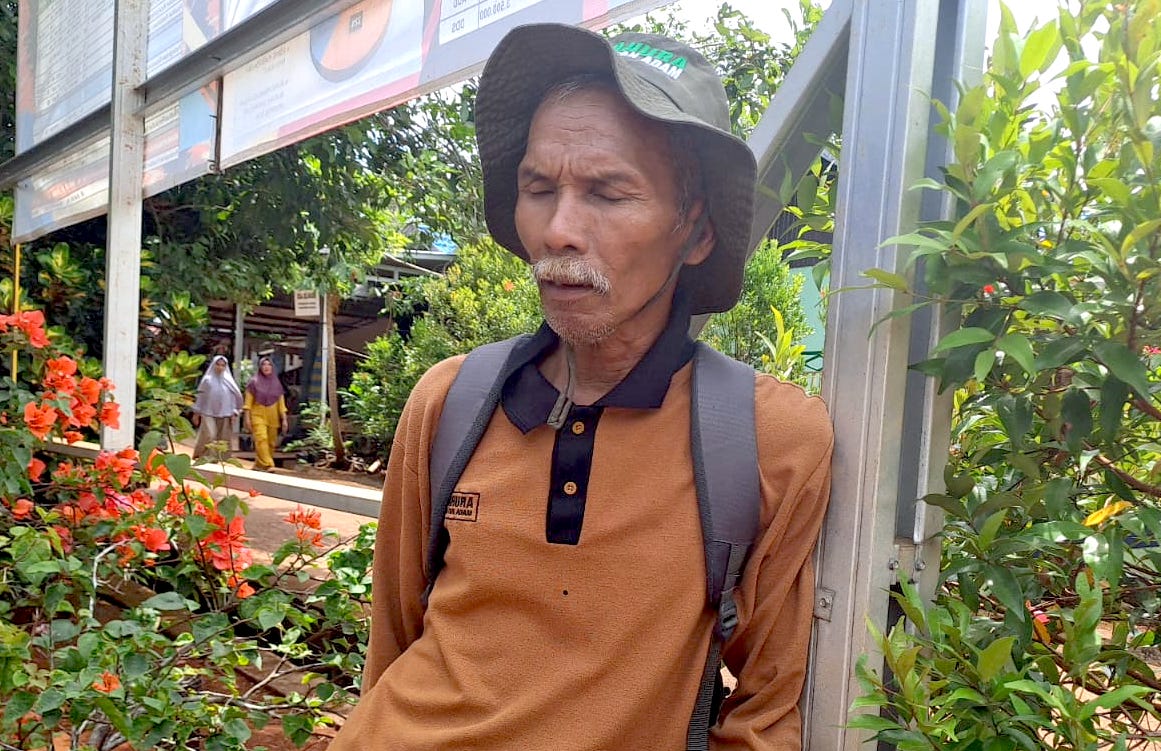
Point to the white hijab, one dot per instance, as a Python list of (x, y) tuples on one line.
[(218, 393)]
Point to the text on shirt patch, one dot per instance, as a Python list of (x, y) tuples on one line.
[(463, 507)]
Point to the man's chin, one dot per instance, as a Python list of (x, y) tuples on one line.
[(579, 331)]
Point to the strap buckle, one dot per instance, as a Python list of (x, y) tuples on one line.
[(727, 615)]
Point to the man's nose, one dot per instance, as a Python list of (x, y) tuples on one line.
[(565, 230)]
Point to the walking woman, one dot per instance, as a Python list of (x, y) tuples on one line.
[(265, 412), (218, 401)]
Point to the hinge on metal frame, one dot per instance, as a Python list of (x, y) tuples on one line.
[(824, 603)]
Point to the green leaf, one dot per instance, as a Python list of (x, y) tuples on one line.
[(1140, 232), (964, 337), (1124, 364), (873, 723), (990, 528), (1020, 349), (1077, 413), (887, 279), (1060, 352), (1114, 394), (969, 218), (994, 657), (1047, 303), (1111, 699), (983, 365), (178, 466), (166, 601), (1015, 413), (18, 705), (1040, 49), (1006, 588)]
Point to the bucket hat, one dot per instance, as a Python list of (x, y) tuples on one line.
[(663, 79)]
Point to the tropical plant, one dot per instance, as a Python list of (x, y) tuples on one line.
[(130, 601), (1044, 631), (485, 296), (770, 305)]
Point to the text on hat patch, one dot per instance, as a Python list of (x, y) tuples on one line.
[(665, 61)]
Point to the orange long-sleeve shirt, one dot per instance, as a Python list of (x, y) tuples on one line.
[(527, 644)]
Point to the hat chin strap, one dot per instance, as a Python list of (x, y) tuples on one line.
[(564, 401)]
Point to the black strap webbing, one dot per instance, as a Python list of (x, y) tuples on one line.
[(725, 470), (470, 402)]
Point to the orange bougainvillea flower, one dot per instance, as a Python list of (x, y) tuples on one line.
[(110, 414), (107, 683), (300, 516), (82, 413), (90, 390), (39, 419), (228, 551), (72, 436), (59, 374), (66, 537), (31, 322), (155, 540), (35, 469), (241, 587), (22, 508)]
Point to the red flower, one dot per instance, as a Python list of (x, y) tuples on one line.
[(35, 469), (107, 683), (989, 289), (155, 540), (72, 436), (90, 389), (65, 535), (300, 516), (39, 419), (241, 587), (82, 413), (22, 508), (110, 415), (228, 547), (31, 322)]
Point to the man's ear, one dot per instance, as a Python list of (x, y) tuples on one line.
[(704, 244)]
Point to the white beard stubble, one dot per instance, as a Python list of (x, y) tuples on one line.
[(573, 271)]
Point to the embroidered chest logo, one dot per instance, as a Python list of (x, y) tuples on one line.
[(463, 507)]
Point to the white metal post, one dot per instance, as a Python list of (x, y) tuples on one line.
[(885, 133), (123, 243)]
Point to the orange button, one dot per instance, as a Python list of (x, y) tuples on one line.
[(570, 488), (578, 427)]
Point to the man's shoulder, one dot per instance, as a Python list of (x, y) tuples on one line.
[(432, 387), (784, 411)]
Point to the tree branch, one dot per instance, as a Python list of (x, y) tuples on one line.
[(1128, 479)]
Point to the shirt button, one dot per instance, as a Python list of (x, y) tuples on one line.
[(570, 488), (578, 427)]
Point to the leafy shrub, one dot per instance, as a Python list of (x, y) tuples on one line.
[(485, 296), (1049, 605), (142, 528), (770, 306)]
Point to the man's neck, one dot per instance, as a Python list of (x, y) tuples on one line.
[(600, 367)]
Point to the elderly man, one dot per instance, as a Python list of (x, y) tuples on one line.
[(567, 606)]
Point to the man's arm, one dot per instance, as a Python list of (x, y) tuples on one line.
[(768, 652), (397, 577)]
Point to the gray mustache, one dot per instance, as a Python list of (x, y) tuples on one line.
[(572, 271)]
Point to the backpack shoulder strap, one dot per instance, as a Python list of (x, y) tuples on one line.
[(725, 467), (467, 409)]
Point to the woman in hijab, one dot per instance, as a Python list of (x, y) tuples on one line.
[(219, 399), (265, 412)]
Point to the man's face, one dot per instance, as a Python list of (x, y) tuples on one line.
[(598, 212)]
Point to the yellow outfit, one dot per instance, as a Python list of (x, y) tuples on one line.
[(264, 424)]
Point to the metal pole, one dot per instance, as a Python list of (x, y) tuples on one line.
[(239, 353), (927, 413), (885, 132), (123, 246), (324, 349), (15, 296)]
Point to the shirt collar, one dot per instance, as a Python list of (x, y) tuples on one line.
[(528, 397)]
